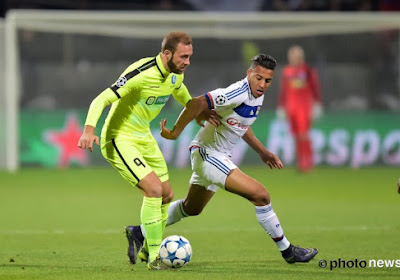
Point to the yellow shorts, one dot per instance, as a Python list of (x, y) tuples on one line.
[(135, 159)]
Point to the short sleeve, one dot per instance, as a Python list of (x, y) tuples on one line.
[(182, 95), (126, 84), (227, 97)]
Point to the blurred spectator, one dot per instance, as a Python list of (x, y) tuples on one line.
[(299, 103)]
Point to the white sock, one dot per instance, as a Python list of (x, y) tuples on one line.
[(270, 222), (176, 212)]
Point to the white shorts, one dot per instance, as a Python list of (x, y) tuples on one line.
[(210, 168)]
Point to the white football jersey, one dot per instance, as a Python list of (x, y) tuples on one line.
[(238, 109)]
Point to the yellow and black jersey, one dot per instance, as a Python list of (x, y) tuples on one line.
[(137, 97)]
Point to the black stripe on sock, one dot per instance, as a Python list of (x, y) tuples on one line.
[(277, 239), (123, 160)]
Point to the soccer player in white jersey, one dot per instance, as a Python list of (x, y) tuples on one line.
[(238, 106)]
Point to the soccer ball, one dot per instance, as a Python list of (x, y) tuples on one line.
[(175, 251)]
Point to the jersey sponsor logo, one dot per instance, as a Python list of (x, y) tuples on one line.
[(150, 100), (157, 100), (232, 121), (235, 122), (121, 82), (162, 99), (220, 99), (173, 79)]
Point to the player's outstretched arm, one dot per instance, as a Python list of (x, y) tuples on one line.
[(87, 138), (96, 108), (193, 108), (269, 158)]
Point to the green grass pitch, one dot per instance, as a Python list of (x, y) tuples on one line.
[(68, 224)]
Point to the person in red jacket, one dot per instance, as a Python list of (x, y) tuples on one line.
[(300, 102)]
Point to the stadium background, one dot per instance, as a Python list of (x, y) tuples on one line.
[(60, 73)]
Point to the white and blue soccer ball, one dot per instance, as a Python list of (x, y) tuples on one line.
[(175, 251)]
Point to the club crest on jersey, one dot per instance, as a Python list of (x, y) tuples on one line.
[(121, 81), (173, 79), (220, 99)]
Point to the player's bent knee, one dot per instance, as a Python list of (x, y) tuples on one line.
[(152, 192), (168, 197), (261, 198), (151, 186)]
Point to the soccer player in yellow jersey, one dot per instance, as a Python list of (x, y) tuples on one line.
[(137, 97)]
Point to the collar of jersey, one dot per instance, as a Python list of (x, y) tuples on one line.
[(246, 81), (160, 65)]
